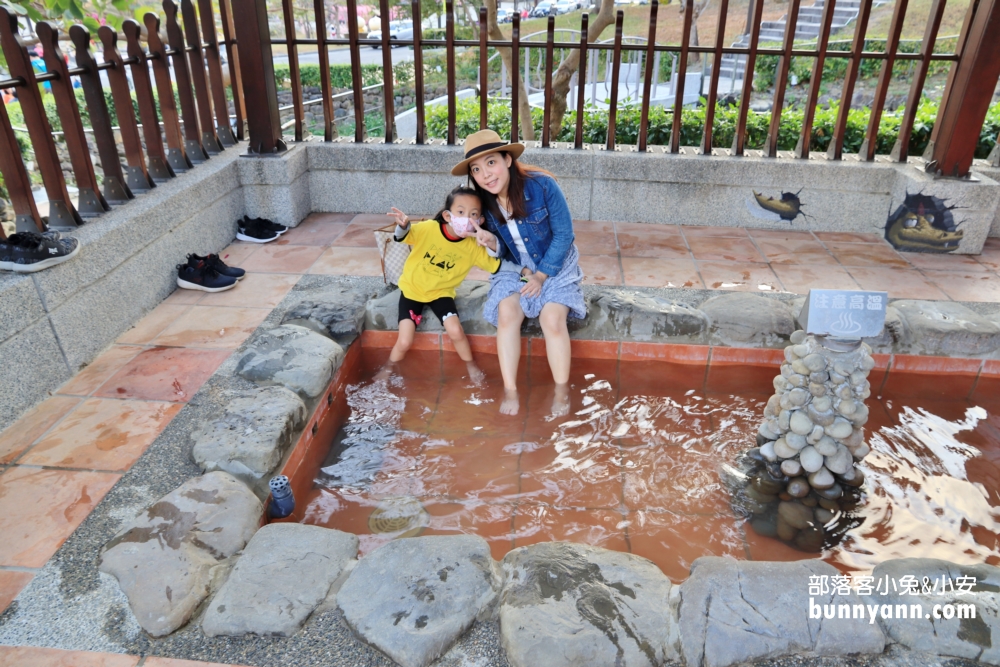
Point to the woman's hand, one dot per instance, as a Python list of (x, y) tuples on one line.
[(400, 218), (485, 238), (533, 287)]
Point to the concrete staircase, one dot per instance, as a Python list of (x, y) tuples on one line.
[(733, 66)]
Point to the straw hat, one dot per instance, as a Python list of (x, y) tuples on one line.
[(484, 142)]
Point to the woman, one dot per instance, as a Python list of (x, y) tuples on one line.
[(526, 210)]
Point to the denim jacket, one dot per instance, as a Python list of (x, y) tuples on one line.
[(547, 229)]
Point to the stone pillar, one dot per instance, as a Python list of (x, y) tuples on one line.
[(804, 474)]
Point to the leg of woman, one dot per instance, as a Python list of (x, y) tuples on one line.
[(453, 326), (557, 349), (509, 350)]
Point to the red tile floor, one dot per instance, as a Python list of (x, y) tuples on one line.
[(59, 459)]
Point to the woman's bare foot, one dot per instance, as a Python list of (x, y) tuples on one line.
[(511, 402), (560, 401), (476, 375)]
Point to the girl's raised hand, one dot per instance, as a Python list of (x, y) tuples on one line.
[(399, 217), (484, 238)]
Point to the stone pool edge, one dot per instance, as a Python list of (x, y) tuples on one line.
[(69, 605)]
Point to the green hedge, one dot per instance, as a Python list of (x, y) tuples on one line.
[(595, 126), (340, 75)]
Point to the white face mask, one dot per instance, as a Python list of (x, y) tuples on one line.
[(462, 226)]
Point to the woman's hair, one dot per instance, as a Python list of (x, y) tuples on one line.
[(457, 192), (515, 190)]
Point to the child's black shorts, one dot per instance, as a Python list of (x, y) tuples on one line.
[(412, 310)]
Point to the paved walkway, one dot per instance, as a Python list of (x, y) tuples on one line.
[(59, 460)]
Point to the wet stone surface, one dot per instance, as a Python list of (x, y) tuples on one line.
[(282, 576), (413, 597), (337, 311), (163, 561), (292, 356), (976, 638), (249, 440), (738, 319), (638, 316), (946, 328), (566, 604), (737, 611)]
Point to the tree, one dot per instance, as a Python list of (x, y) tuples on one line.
[(563, 76), (695, 15), (523, 108)]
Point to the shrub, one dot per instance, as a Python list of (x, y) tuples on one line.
[(340, 75), (595, 126)]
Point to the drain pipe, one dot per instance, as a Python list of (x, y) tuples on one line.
[(282, 500)]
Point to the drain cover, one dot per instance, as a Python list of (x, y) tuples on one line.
[(403, 515)]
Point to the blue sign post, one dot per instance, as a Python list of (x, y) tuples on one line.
[(846, 314)]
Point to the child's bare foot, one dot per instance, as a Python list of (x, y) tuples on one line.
[(385, 371), (476, 375), (511, 402), (560, 401)]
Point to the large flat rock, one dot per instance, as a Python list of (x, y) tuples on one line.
[(284, 573), (249, 440), (619, 314), (574, 605), (738, 318), (338, 312), (413, 597), (294, 357), (736, 611), (163, 560), (946, 328), (966, 635)]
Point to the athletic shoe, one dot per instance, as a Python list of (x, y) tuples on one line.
[(200, 276), (215, 262), (254, 231), (27, 252), (273, 226)]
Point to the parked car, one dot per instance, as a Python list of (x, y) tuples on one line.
[(503, 16), (397, 30), (565, 6), (543, 9)]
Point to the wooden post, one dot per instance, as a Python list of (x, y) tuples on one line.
[(259, 89)]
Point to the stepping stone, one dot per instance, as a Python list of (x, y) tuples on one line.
[(253, 434), (975, 638), (747, 318), (285, 572), (163, 560), (413, 597), (335, 311), (946, 328), (615, 314), (737, 611), (574, 605), (294, 357)]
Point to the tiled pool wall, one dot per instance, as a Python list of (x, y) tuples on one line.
[(713, 370)]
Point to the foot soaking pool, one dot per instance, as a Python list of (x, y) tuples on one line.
[(640, 462)]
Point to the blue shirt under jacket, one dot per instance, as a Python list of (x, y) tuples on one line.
[(547, 229)]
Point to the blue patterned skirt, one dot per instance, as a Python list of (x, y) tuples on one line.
[(564, 288)]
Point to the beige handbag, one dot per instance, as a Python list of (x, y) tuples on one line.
[(392, 253)]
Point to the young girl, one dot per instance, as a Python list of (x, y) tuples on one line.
[(444, 251)]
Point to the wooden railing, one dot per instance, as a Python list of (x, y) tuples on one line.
[(169, 137), (154, 147), (981, 21)]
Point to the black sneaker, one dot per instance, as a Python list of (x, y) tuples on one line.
[(27, 252), (200, 276), (254, 231), (273, 226), (215, 262)]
